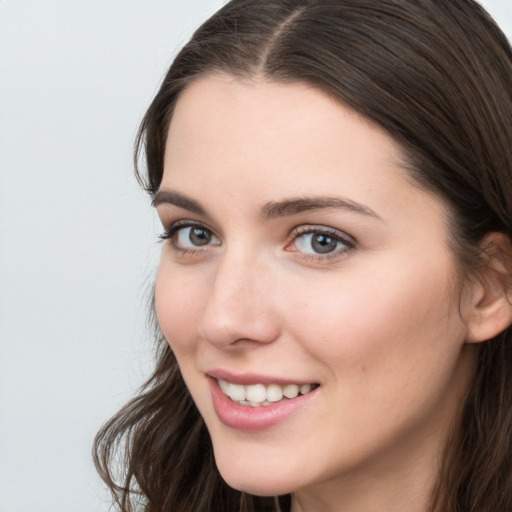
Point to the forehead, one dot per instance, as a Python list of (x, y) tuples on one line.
[(261, 103), (266, 127)]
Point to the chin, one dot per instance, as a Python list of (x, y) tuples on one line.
[(258, 479), (257, 485)]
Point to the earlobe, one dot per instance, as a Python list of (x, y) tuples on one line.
[(491, 295)]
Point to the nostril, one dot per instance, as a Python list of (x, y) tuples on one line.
[(239, 327)]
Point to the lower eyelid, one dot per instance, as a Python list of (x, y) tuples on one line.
[(323, 259)]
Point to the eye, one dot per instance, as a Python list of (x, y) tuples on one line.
[(194, 237), (320, 242), (190, 236)]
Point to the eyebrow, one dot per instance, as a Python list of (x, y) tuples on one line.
[(273, 209), (177, 199), (299, 205)]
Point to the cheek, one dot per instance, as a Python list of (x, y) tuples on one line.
[(389, 347), (177, 304), (380, 322)]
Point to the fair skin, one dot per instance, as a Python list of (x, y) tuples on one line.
[(352, 291)]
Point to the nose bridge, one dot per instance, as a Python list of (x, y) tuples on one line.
[(240, 304)]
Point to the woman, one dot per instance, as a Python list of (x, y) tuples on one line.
[(334, 179)]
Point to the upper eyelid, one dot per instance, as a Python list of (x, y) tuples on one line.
[(304, 229), (171, 214), (184, 223)]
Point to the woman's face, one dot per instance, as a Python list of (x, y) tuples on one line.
[(300, 256)]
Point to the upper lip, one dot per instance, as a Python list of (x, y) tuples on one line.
[(248, 378)]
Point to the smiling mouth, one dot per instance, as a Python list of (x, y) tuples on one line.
[(258, 395)]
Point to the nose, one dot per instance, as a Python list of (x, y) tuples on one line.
[(240, 308)]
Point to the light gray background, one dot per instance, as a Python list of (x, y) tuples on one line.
[(77, 237)]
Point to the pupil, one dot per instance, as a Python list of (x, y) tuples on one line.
[(199, 236), (323, 244)]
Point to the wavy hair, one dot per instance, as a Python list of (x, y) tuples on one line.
[(436, 75)]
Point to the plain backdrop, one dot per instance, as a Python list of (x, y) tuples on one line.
[(78, 240)]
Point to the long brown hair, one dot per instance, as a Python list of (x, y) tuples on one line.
[(437, 76)]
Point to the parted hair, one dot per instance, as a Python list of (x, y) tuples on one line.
[(437, 76)]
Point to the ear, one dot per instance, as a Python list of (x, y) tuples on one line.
[(490, 308)]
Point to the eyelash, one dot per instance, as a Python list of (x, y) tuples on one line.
[(298, 232), (171, 232), (334, 234)]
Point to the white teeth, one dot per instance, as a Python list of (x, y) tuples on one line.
[(224, 386), (291, 390), (274, 393), (255, 395), (236, 392), (305, 388)]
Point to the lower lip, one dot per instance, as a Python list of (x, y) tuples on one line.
[(254, 419)]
